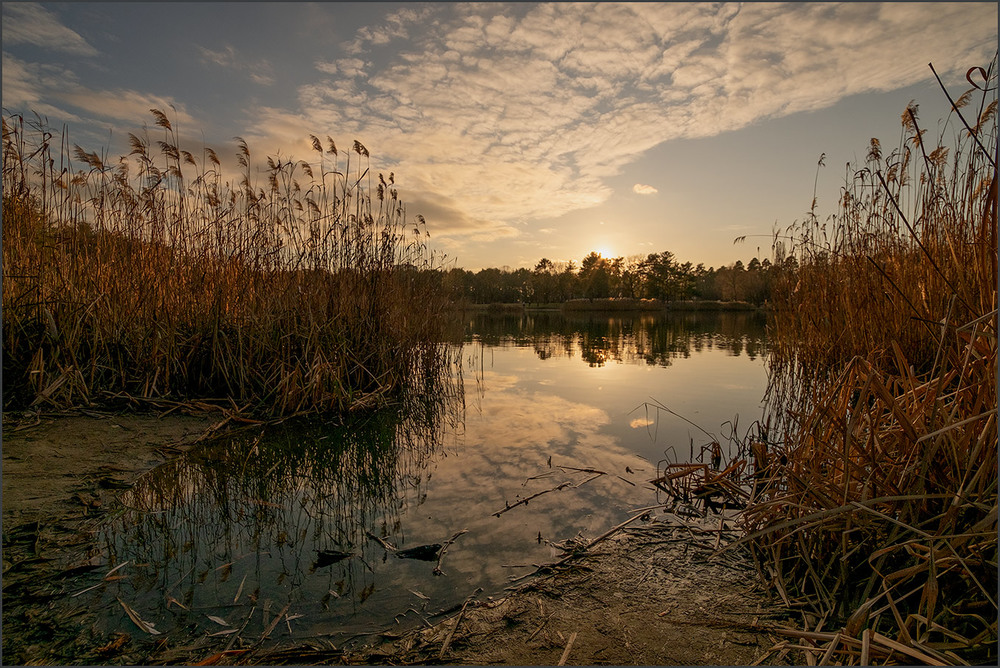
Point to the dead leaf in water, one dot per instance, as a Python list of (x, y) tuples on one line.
[(171, 599), (240, 590), (218, 620), (139, 621), (421, 552), (327, 557)]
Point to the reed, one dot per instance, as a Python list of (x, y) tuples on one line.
[(294, 288), (874, 509)]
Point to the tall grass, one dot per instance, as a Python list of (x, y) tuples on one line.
[(294, 288), (876, 512)]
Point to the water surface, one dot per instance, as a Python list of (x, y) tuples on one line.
[(247, 529)]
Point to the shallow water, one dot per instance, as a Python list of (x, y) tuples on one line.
[(244, 530)]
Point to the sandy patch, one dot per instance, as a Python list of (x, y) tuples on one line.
[(65, 464)]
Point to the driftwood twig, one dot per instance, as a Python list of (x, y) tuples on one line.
[(444, 548), (529, 498)]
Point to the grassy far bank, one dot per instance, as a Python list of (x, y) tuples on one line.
[(875, 511), (154, 276)]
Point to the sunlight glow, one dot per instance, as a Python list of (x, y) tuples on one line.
[(605, 251)]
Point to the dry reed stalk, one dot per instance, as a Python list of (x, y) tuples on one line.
[(156, 277), (877, 506)]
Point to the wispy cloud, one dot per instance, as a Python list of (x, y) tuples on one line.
[(643, 189), (26, 86), (259, 71), (52, 90), (128, 106), (30, 23)]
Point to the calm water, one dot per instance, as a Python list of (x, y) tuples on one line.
[(252, 528)]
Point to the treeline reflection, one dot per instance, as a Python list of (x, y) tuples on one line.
[(597, 339)]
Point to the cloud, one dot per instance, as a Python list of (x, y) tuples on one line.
[(56, 92), (53, 91), (348, 67), (519, 113), (25, 87), (30, 23), (446, 218), (497, 115), (259, 71), (642, 189)]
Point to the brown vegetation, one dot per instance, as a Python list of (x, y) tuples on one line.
[(876, 513), (151, 276)]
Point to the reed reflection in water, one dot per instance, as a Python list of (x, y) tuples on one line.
[(258, 523)]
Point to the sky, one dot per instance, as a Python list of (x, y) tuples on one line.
[(524, 130)]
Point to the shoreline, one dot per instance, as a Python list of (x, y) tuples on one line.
[(652, 594), (64, 471), (61, 474)]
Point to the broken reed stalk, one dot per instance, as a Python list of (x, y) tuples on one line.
[(877, 506), (156, 276), (569, 646)]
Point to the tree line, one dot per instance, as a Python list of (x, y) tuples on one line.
[(653, 276)]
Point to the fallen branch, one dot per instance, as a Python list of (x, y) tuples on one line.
[(389, 547), (583, 470), (274, 622), (593, 477), (577, 552), (533, 496), (444, 548), (541, 626)]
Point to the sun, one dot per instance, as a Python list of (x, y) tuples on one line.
[(605, 251)]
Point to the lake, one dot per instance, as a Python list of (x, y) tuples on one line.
[(305, 522)]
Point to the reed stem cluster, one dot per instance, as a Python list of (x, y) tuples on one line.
[(875, 505), (293, 288)]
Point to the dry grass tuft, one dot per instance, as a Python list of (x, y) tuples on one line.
[(876, 512), (153, 276)]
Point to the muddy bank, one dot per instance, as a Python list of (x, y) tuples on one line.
[(651, 596), (66, 464)]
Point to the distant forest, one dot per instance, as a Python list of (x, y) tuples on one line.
[(654, 276)]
